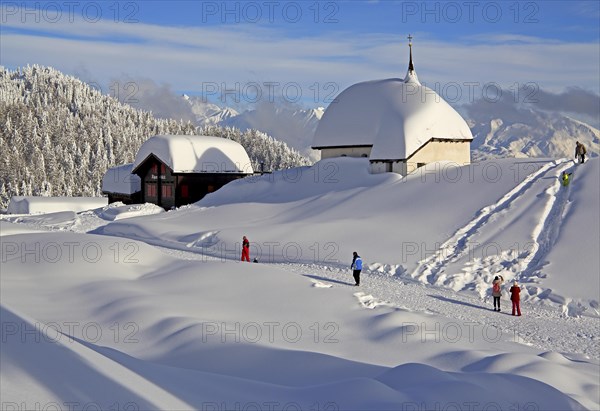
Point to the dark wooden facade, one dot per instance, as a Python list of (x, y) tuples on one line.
[(134, 198), (163, 187)]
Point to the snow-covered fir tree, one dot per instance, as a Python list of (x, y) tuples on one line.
[(59, 135)]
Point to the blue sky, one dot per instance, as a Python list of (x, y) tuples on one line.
[(564, 20), (315, 49)]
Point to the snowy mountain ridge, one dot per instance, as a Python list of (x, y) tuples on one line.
[(293, 125), (536, 134), (208, 114)]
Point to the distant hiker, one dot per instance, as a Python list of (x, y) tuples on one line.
[(255, 260), (564, 178), (515, 297), (580, 152), (357, 265), (497, 291), (245, 249)]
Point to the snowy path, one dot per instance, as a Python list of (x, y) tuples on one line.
[(432, 268), (464, 261), (547, 230), (540, 326)]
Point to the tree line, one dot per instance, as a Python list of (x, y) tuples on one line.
[(59, 135)]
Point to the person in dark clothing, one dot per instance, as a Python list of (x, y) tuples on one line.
[(356, 265), (497, 291), (580, 152)]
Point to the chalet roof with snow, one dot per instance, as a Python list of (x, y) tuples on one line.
[(393, 116), (195, 154)]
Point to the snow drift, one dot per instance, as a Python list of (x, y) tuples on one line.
[(33, 204)]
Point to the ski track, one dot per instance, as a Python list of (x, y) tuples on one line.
[(542, 327), (429, 269), (546, 232)]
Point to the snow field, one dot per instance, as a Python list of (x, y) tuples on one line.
[(451, 225), (181, 324), (181, 332)]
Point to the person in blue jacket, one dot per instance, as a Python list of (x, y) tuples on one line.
[(357, 264)]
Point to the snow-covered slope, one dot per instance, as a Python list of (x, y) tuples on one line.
[(144, 330), (445, 224)]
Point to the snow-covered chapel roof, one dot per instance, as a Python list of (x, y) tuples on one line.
[(395, 116), (196, 154)]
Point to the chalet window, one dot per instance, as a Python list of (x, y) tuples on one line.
[(184, 191), (167, 190), (388, 167), (154, 168), (163, 169), (151, 190)]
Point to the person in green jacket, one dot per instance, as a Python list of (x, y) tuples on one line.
[(564, 178)]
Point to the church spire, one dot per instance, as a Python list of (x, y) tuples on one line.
[(411, 67), (411, 74)]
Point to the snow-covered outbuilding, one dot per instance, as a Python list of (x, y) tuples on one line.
[(175, 170), (120, 185), (399, 124)]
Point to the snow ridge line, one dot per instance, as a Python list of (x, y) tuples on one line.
[(455, 247), (546, 232)]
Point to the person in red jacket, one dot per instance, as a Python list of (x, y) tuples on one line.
[(245, 249), (515, 297)]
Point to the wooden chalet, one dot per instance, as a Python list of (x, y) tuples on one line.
[(175, 170)]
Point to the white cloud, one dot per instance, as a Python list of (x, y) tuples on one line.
[(188, 57)]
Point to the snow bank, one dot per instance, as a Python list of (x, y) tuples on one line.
[(9, 228), (31, 204), (81, 222), (301, 183), (118, 211)]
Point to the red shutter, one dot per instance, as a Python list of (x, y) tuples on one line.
[(151, 190), (167, 190)]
